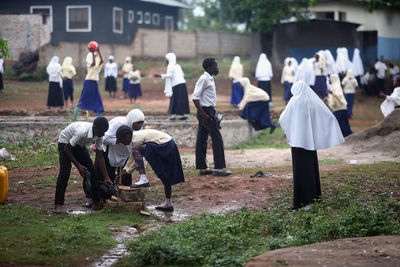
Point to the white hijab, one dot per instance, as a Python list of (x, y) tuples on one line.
[(330, 63), (358, 67), (307, 121), (294, 64), (305, 71), (251, 93), (342, 60), (171, 57), (264, 67), (390, 102), (53, 68), (67, 65), (236, 70), (133, 116), (336, 100)]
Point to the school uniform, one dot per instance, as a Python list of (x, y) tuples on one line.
[(264, 74), (78, 134), (111, 74), (205, 92), (391, 102), (67, 71), (90, 97), (308, 125), (126, 68), (338, 104), (287, 79), (55, 94), (330, 67), (293, 63), (349, 89), (160, 151), (1, 74), (134, 82), (380, 68), (176, 87), (305, 72), (236, 73), (254, 106), (320, 86), (343, 63)]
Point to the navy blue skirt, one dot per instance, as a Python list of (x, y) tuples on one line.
[(288, 93), (350, 102), (68, 87), (125, 85), (135, 90), (165, 161), (341, 116), (111, 84), (257, 113), (320, 87), (179, 103), (55, 95), (266, 86), (90, 97), (237, 94)]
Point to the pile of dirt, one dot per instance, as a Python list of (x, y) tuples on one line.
[(385, 136)]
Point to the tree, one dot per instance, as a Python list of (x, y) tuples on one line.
[(371, 5), (4, 48)]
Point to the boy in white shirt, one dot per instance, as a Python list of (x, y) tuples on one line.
[(380, 68), (72, 148)]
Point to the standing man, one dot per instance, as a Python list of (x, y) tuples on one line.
[(380, 68), (204, 98)]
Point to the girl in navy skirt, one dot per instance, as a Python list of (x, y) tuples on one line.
[(126, 68), (90, 97), (67, 71), (235, 74), (55, 95), (134, 79), (320, 86), (161, 152), (338, 105), (287, 79), (255, 107), (349, 88), (264, 74)]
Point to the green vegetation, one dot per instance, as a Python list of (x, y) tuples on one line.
[(357, 201), (28, 235), (275, 140)]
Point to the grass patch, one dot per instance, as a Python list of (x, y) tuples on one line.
[(323, 162), (29, 236), (359, 201), (266, 140)]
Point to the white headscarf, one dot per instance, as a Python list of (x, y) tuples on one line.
[(330, 63), (67, 65), (1, 65), (133, 116), (358, 67), (390, 102), (171, 57), (53, 68), (236, 70), (251, 93), (342, 60), (293, 61), (336, 100), (305, 71), (264, 67), (307, 121)]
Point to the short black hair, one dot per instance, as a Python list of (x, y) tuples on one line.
[(101, 123), (124, 130), (208, 62)]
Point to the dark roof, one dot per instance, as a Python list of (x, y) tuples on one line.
[(323, 20)]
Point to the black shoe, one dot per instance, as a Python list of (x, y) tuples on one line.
[(205, 172), (222, 173), (272, 129), (89, 204), (164, 208), (172, 118), (183, 118), (140, 185)]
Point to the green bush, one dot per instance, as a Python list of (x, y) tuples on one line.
[(37, 76), (9, 73)]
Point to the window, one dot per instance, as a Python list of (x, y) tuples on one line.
[(47, 14), (131, 16), (169, 23), (118, 20), (147, 18), (79, 18), (156, 19), (139, 14), (342, 16)]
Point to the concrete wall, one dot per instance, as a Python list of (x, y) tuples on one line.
[(157, 43), (14, 28), (234, 130)]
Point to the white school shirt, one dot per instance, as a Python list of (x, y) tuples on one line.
[(136, 74), (205, 91), (175, 74), (80, 133), (287, 74), (93, 71), (381, 68), (117, 153), (1, 65), (393, 71), (111, 69)]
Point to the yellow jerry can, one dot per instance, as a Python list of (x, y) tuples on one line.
[(3, 184)]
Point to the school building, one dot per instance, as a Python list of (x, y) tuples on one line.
[(385, 21)]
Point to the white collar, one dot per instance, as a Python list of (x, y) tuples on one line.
[(90, 132), (208, 75)]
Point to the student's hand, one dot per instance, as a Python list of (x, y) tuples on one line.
[(82, 170), (205, 118), (108, 181)]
